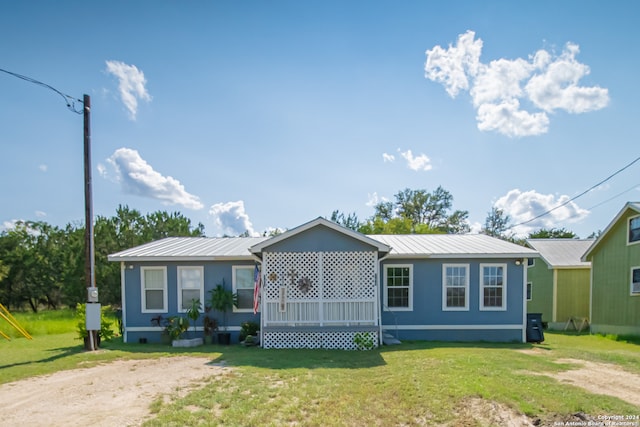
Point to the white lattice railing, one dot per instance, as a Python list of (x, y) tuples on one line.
[(319, 288), (332, 312)]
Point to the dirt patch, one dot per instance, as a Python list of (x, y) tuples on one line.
[(476, 411), (601, 378), (117, 393)]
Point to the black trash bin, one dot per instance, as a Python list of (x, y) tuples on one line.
[(534, 328)]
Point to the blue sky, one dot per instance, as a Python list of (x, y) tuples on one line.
[(258, 115)]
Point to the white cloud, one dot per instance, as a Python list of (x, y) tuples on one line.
[(131, 85), (10, 225), (232, 219), (386, 157), (40, 214), (43, 168), (417, 163), (524, 206), (549, 83), (137, 177), (374, 199)]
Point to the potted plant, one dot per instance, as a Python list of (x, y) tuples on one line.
[(176, 326), (105, 331), (249, 329), (223, 300), (193, 313), (210, 325)]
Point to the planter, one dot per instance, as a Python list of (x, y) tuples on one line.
[(208, 339), (192, 342), (224, 338), (165, 339)]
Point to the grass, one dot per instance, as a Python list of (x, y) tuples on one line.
[(416, 383)]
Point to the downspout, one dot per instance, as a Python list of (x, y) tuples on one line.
[(123, 301), (379, 284), (525, 277)]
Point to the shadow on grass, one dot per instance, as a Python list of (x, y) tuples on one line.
[(60, 353)]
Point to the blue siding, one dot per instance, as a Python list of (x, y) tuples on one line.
[(319, 239), (427, 303), (214, 273)]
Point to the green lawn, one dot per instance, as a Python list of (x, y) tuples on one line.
[(417, 383)]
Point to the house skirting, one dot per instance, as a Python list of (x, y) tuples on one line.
[(342, 338), (615, 329)]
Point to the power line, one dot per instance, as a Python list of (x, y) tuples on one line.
[(578, 196), (68, 99)]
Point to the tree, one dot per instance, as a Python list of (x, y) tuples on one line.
[(496, 224), (350, 221), (553, 233), (418, 212)]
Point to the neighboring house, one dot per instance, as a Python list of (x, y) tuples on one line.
[(558, 284), (321, 284), (615, 275)]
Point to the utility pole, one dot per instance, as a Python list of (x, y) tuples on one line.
[(92, 307)]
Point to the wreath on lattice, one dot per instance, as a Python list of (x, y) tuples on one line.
[(304, 285)]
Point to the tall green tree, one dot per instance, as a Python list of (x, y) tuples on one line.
[(349, 221), (418, 211), (497, 224)]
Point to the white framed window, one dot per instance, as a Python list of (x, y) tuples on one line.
[(153, 282), (493, 287), (455, 287), (634, 230), (398, 287), (190, 286), (635, 281), (529, 291), (243, 286)]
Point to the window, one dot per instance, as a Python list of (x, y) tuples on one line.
[(398, 284), (493, 289), (190, 286), (529, 291), (455, 287), (634, 229), (154, 289), (243, 287), (635, 281)]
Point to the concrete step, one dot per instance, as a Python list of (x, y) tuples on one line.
[(389, 339)]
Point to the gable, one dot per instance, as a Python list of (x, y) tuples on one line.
[(319, 239), (616, 233)]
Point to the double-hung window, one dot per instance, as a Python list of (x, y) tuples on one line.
[(635, 281), (398, 287), (154, 289), (243, 287), (455, 287), (190, 286), (634, 229), (493, 286)]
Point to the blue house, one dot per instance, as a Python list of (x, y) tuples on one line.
[(321, 285)]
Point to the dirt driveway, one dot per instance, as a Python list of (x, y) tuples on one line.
[(112, 394)]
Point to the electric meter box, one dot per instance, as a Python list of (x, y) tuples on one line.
[(93, 317), (92, 294)]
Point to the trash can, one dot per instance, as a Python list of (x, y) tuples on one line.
[(534, 328)]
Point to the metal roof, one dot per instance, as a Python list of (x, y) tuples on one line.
[(402, 246), (190, 249), (562, 253), (451, 246)]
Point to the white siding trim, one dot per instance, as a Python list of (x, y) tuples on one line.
[(123, 268), (457, 327)]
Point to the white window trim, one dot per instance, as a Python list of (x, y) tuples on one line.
[(444, 288), (504, 288), (234, 285), (190, 267), (386, 293), (633, 294), (629, 230), (143, 299), (529, 284)]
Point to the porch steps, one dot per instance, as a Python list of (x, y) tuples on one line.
[(389, 339)]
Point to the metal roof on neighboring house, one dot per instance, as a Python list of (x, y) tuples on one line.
[(402, 246), (451, 246), (190, 249), (562, 253)]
